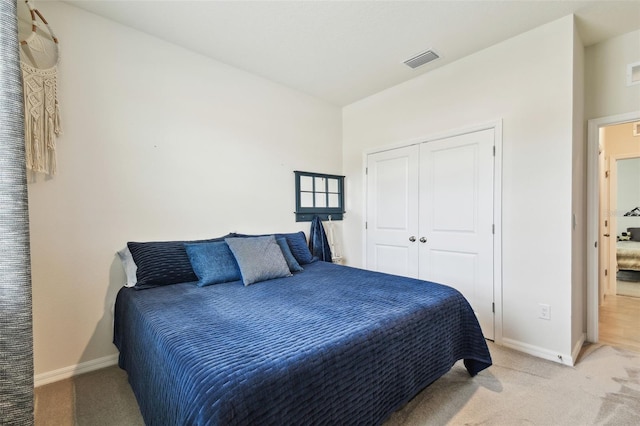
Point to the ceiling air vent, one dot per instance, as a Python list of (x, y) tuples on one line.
[(421, 59)]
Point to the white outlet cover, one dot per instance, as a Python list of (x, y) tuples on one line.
[(633, 74), (545, 311)]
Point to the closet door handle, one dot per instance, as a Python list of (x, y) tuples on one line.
[(412, 239), (423, 240)]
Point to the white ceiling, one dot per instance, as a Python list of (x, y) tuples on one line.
[(343, 51)]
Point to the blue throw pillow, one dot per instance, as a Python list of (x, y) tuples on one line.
[(163, 262), (299, 248), (213, 263), (293, 264), (259, 258)]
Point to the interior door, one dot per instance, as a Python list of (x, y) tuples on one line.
[(456, 218), (392, 211)]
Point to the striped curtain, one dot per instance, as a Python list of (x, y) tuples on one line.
[(16, 335)]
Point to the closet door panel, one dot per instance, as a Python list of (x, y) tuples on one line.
[(454, 195), (392, 211), (456, 218)]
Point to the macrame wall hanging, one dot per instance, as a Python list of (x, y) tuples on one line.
[(39, 64)]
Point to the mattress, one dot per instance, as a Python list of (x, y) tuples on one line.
[(330, 345), (628, 255)]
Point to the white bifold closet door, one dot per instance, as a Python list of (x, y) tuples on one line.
[(392, 211), (430, 216)]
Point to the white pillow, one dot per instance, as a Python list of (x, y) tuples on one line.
[(130, 267)]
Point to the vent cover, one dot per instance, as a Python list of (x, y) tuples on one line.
[(421, 59)]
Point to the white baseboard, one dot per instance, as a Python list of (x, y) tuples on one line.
[(539, 352), (74, 370)]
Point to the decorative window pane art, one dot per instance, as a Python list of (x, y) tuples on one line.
[(319, 194)]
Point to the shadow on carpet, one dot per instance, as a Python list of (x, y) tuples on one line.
[(602, 389)]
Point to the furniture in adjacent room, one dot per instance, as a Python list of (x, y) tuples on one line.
[(628, 255)]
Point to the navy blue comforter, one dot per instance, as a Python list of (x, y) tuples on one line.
[(330, 345)]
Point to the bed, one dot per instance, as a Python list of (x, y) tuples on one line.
[(330, 344), (628, 255)]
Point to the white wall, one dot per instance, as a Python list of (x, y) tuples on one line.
[(528, 82), (606, 67), (159, 143)]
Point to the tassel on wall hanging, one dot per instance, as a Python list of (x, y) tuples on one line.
[(39, 64)]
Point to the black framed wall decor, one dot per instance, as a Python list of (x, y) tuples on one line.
[(319, 194)]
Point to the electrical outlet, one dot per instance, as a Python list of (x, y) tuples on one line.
[(545, 311)]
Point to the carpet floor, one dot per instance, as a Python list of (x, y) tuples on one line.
[(602, 389)]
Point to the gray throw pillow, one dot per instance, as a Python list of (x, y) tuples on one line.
[(259, 258)]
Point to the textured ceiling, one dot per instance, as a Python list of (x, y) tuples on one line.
[(343, 51)]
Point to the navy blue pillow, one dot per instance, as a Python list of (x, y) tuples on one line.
[(293, 264), (213, 263), (299, 248), (163, 262)]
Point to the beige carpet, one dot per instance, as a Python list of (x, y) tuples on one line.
[(99, 398), (602, 389)]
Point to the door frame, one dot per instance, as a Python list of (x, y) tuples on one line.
[(604, 251), (497, 202), (593, 214)]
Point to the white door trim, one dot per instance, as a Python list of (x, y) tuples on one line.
[(497, 203), (593, 203)]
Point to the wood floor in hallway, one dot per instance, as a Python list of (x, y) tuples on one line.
[(619, 322)]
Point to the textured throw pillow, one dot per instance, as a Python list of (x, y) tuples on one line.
[(163, 262), (297, 244), (293, 264), (129, 266), (213, 263), (259, 258), (299, 248)]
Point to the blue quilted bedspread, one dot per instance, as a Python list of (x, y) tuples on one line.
[(330, 345)]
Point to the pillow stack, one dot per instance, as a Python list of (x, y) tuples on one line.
[(230, 258)]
